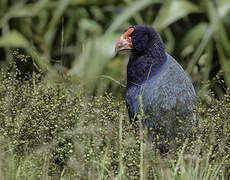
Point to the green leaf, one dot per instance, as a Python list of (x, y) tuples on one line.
[(208, 60), (52, 27), (22, 10), (89, 2), (194, 35), (40, 61), (223, 8), (208, 34), (128, 12), (91, 26), (222, 37), (170, 44), (13, 39), (225, 63), (173, 11), (96, 53)]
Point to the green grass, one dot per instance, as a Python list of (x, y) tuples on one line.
[(58, 131)]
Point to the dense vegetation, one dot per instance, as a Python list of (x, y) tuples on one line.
[(57, 62), (57, 130)]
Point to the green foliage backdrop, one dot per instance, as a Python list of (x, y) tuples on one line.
[(77, 37)]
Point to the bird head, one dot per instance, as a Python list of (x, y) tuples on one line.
[(125, 41), (136, 38)]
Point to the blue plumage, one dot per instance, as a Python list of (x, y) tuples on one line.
[(168, 88), (166, 91)]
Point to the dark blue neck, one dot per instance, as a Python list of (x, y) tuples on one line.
[(145, 65)]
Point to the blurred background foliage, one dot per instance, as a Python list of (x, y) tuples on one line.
[(76, 38)]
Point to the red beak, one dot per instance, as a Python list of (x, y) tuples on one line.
[(125, 42)]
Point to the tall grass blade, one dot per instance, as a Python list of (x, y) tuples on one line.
[(179, 160), (13, 39), (224, 8), (225, 64), (52, 27), (201, 47), (172, 11), (96, 53), (21, 10), (128, 12), (194, 35)]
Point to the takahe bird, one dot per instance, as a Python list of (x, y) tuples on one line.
[(157, 84)]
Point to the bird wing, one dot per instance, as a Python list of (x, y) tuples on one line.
[(169, 91)]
